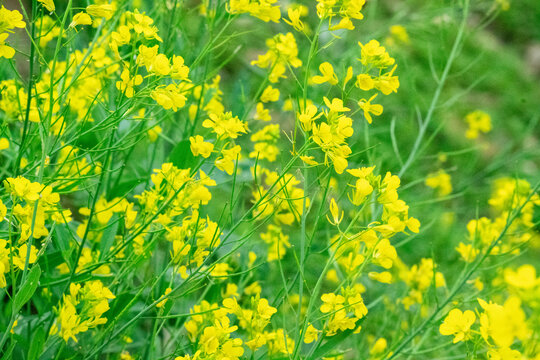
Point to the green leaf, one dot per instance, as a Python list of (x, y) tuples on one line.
[(182, 157), (107, 240), (51, 260), (332, 344), (36, 345), (61, 240), (28, 288), (125, 187), (119, 304)]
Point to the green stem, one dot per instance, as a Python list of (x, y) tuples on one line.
[(429, 116)]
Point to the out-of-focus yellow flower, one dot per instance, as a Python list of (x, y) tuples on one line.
[(48, 4), (163, 302), (153, 133), (478, 121), (311, 335), (440, 181), (458, 324)]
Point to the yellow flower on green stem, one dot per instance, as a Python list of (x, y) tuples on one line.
[(458, 324)]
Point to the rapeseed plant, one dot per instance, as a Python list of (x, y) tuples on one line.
[(220, 180)]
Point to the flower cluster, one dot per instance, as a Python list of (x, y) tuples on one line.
[(486, 233), (266, 10), (200, 180), (344, 10), (81, 309), (499, 327), (33, 208), (9, 20), (282, 53)]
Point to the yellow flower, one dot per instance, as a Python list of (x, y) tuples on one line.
[(230, 291), (458, 324), (142, 24), (335, 106), (467, 252), (387, 83), (228, 159), (383, 277), (340, 321), (147, 55), (153, 133), (362, 189), (328, 75), (373, 54), (160, 65), (125, 355), (441, 181), (309, 160), (169, 97), (365, 82), (262, 113), (14, 326), (10, 19), (48, 4), (225, 125), (264, 310), (311, 334), (332, 276), (106, 10), (270, 94), (504, 353), (20, 259), (179, 71), (523, 278), (262, 9), (503, 323), (3, 211), (251, 258), (344, 23), (478, 121), (282, 52), (265, 141), (334, 210), (253, 289), (200, 147), (477, 283), (163, 302), (378, 347), (369, 108), (5, 50), (81, 18), (127, 83), (4, 144), (307, 117), (294, 19), (93, 300), (23, 188), (398, 35), (331, 302), (399, 32)]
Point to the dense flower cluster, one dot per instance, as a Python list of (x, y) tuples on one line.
[(173, 190)]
